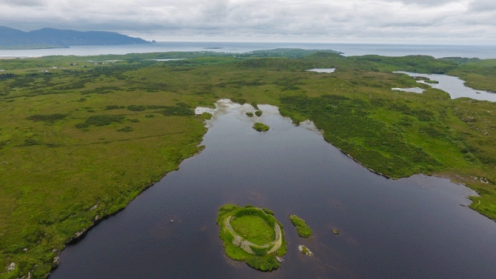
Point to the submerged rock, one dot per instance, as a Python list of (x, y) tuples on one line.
[(304, 250)]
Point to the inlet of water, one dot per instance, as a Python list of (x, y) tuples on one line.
[(454, 86)]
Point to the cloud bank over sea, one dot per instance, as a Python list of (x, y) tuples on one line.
[(352, 21)]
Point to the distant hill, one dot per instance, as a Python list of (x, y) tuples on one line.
[(55, 37)]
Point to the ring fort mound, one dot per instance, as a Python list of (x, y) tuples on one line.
[(252, 235)]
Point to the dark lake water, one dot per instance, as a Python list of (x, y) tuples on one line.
[(437, 51), (407, 228)]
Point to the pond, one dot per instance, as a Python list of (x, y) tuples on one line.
[(454, 86), (322, 70), (166, 60), (418, 227), (411, 90)]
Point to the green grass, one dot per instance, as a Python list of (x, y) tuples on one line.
[(249, 114), (64, 145), (255, 223), (261, 127), (258, 113), (260, 251), (254, 228), (301, 226)]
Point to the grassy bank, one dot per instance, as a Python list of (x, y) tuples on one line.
[(80, 137)]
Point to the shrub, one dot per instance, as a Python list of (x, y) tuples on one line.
[(110, 107), (136, 108), (100, 120), (180, 109), (268, 211), (155, 107), (125, 129), (50, 118), (240, 101), (266, 263)]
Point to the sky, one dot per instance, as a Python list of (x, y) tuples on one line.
[(465, 22)]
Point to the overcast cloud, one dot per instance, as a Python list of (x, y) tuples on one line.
[(364, 21)]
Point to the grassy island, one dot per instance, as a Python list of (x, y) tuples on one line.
[(261, 127), (252, 235), (258, 113), (249, 114), (426, 80), (301, 226)]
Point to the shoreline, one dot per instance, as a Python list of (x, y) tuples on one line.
[(82, 234)]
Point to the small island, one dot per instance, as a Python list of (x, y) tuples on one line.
[(301, 226), (258, 113), (252, 235), (261, 127), (426, 80), (249, 114)]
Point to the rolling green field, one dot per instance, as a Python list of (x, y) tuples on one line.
[(80, 137)]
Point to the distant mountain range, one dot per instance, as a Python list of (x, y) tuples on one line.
[(13, 38)]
